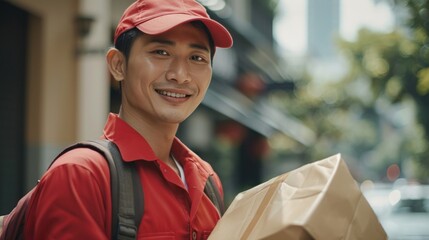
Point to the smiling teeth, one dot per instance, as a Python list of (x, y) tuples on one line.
[(174, 95)]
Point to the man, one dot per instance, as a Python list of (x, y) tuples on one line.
[(163, 61)]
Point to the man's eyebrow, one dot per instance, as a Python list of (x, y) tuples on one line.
[(161, 41), (200, 46), (171, 43)]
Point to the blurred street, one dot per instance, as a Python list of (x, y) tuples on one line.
[(402, 208)]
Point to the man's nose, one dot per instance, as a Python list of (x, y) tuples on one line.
[(178, 71)]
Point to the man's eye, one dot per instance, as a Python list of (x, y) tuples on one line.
[(161, 52), (197, 58)]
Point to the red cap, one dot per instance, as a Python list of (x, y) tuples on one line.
[(158, 16)]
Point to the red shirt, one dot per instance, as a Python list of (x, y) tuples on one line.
[(72, 200)]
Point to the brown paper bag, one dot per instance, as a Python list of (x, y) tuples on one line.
[(318, 201)]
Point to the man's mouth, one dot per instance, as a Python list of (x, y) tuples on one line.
[(172, 94)]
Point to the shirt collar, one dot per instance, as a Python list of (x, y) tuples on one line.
[(130, 143), (185, 156), (134, 147)]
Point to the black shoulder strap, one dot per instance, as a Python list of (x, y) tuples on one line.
[(213, 193), (127, 193)]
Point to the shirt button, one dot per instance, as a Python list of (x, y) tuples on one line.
[(194, 235)]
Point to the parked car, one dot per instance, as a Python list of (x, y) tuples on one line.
[(409, 216)]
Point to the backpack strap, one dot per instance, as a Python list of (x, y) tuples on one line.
[(212, 191), (127, 193)]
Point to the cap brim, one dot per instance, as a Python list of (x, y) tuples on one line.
[(221, 37)]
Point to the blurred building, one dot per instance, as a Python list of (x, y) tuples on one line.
[(56, 87), (323, 27)]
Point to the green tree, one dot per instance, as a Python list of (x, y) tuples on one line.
[(357, 115), (397, 67)]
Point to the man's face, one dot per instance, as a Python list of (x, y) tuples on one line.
[(167, 75)]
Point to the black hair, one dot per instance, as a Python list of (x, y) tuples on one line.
[(125, 41), (202, 26)]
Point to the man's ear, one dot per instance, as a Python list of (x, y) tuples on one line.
[(116, 64)]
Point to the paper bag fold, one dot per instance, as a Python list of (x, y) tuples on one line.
[(320, 200)]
